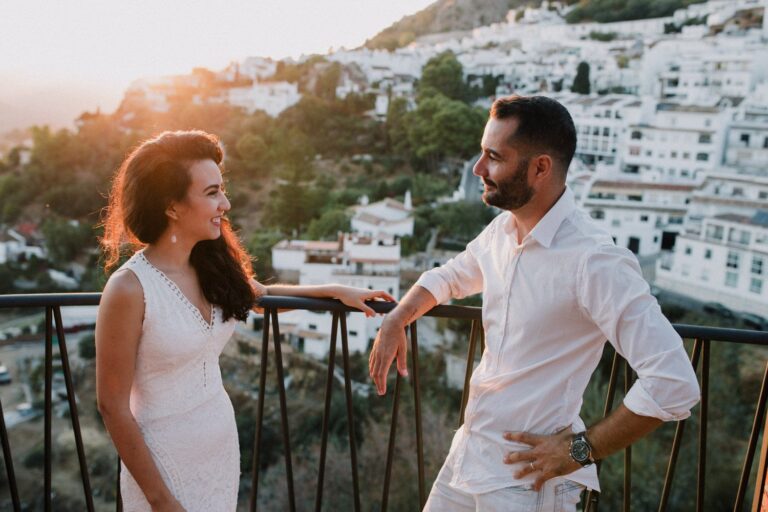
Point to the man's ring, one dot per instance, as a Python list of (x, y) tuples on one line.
[(531, 463)]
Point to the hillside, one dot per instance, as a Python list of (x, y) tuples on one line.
[(457, 15), (444, 16)]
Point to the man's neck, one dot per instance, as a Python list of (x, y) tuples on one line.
[(529, 215)]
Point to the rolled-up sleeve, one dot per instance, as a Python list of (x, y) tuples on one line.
[(613, 293), (458, 278)]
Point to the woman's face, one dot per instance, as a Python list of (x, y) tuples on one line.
[(200, 212)]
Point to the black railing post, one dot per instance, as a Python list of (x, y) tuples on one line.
[(677, 440), (628, 449), (283, 410), (391, 445), (468, 370), (752, 446), (702, 466), (326, 412), (260, 410), (350, 413), (417, 404), (9, 462), (48, 407), (74, 417)]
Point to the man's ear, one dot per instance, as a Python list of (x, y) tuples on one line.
[(543, 165)]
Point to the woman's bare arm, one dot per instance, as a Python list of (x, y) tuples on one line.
[(118, 329)]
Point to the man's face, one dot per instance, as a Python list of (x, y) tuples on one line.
[(503, 167)]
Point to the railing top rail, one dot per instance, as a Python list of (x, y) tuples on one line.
[(41, 300), (333, 305), (443, 311), (722, 334)]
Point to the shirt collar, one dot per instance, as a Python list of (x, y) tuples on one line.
[(547, 227)]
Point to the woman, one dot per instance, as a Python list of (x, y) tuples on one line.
[(165, 317)]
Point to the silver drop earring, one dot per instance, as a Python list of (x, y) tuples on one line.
[(173, 239)]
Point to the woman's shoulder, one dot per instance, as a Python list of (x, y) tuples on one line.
[(123, 287)]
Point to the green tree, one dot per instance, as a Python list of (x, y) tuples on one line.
[(397, 126), (65, 239), (440, 128), (253, 151), (260, 248), (581, 82), (328, 225), (443, 74), (327, 81)]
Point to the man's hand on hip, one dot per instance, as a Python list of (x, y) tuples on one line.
[(549, 456), (390, 344)]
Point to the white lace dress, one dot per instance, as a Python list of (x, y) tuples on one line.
[(178, 399)]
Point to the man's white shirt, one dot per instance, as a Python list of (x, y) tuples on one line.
[(549, 305)]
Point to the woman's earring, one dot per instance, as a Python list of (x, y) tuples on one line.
[(173, 239)]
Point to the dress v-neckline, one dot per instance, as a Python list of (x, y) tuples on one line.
[(207, 324)]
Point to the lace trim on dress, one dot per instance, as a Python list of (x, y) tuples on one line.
[(207, 326)]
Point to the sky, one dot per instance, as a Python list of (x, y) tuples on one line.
[(59, 58)]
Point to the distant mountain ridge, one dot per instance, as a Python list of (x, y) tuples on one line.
[(444, 16)]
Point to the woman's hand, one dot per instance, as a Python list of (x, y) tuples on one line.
[(259, 290), (168, 505), (356, 297)]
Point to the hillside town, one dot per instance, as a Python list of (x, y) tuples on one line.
[(672, 156)]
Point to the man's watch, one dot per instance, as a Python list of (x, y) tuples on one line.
[(581, 450)]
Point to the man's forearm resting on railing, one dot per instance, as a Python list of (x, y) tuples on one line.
[(391, 343)]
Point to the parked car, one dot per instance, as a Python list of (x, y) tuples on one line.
[(5, 376), (754, 321), (715, 308)]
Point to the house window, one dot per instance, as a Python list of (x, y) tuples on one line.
[(757, 265), (312, 327), (688, 250), (705, 138), (597, 214), (744, 138), (762, 195), (643, 218), (733, 260), (731, 279), (715, 232), (702, 157), (765, 143), (756, 285), (637, 135), (686, 155), (353, 333), (634, 150), (704, 274), (708, 254), (606, 131)]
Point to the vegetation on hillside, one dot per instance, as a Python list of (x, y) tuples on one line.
[(444, 16), (606, 11)]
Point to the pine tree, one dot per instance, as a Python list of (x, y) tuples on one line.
[(581, 82)]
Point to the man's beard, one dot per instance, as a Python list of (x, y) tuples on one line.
[(513, 192)]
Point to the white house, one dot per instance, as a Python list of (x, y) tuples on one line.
[(271, 97), (726, 262), (386, 217), (643, 217), (676, 142), (353, 260)]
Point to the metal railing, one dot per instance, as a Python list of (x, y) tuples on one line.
[(700, 358)]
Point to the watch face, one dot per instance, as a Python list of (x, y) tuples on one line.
[(580, 450)]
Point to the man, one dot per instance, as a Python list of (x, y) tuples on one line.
[(555, 287)]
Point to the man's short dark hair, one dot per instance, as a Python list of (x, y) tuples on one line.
[(544, 126)]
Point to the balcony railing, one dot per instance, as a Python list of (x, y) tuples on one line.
[(703, 338)]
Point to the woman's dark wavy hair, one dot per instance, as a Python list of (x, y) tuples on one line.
[(154, 174)]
